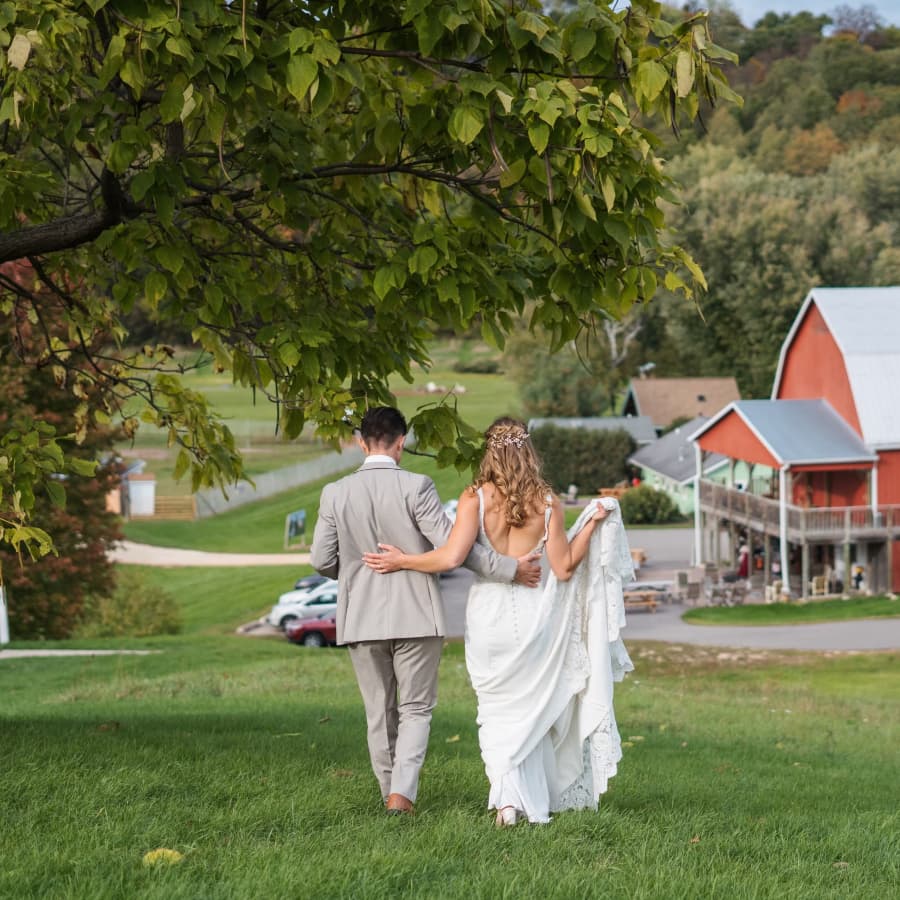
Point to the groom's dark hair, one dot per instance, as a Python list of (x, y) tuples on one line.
[(382, 425)]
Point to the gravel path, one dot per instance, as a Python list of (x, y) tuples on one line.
[(146, 555)]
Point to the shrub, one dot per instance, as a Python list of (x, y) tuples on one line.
[(589, 459), (480, 366), (134, 609), (644, 505)]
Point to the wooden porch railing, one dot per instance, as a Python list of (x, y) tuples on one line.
[(839, 522)]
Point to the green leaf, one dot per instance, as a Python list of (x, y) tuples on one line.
[(131, 74), (684, 72), (388, 135), (155, 286), (609, 192), (423, 260), (650, 78), (528, 21), (171, 258), (120, 157), (299, 39), (581, 42), (56, 492), (429, 30), (466, 123), (172, 103), (383, 281), (583, 202), (301, 72), (539, 135), (182, 464), (506, 100), (179, 47), (84, 467), (514, 174)]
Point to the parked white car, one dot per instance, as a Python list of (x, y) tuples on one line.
[(304, 604)]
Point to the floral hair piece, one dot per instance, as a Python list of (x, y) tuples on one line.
[(508, 440)]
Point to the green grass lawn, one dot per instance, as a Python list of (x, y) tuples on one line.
[(253, 418), (794, 613), (259, 527), (747, 775)]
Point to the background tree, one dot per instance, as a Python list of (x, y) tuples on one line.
[(764, 240), (310, 188), (589, 459), (46, 596)]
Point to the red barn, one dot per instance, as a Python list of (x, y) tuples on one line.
[(829, 439)]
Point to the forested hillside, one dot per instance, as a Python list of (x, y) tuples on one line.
[(799, 187)]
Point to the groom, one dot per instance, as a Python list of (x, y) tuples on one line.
[(393, 627)]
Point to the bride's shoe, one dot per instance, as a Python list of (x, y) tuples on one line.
[(506, 817)]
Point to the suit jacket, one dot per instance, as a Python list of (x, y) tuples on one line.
[(382, 503)]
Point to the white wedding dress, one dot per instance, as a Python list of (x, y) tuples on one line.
[(542, 662)]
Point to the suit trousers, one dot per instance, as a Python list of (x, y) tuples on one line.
[(398, 683)]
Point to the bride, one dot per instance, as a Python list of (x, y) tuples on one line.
[(542, 661)]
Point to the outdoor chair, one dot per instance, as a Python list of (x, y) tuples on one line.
[(692, 594), (818, 585), (773, 592)]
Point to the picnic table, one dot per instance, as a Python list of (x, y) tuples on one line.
[(646, 599)]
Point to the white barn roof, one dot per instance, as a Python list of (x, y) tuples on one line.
[(865, 324)]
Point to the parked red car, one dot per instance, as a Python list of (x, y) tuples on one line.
[(316, 631)]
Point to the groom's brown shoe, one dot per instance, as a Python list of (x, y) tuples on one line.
[(398, 805)]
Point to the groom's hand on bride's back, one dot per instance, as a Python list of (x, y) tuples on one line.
[(528, 570)]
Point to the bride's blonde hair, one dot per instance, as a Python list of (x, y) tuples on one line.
[(512, 466)]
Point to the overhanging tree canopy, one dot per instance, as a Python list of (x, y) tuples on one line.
[(312, 186)]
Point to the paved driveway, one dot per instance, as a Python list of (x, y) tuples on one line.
[(668, 549)]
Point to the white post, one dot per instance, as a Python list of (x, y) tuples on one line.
[(782, 525), (698, 532), (4, 618), (873, 490)]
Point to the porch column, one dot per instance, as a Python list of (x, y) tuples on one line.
[(804, 572), (890, 560), (848, 581), (698, 527), (782, 528), (873, 492)]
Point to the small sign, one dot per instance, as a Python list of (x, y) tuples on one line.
[(295, 529)]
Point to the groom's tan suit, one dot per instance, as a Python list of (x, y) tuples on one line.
[(394, 624)]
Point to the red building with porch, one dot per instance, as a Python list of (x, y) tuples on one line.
[(830, 439)]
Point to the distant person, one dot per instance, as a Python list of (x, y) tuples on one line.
[(542, 662), (394, 631), (743, 561)]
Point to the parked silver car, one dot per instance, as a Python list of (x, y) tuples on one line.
[(304, 603)]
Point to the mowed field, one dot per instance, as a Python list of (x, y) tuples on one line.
[(745, 774), (253, 419)]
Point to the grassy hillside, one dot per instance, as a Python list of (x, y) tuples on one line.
[(744, 775)]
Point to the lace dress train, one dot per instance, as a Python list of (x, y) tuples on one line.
[(542, 663)]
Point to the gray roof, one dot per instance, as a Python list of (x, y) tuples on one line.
[(639, 427), (798, 431), (673, 454), (865, 324)]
